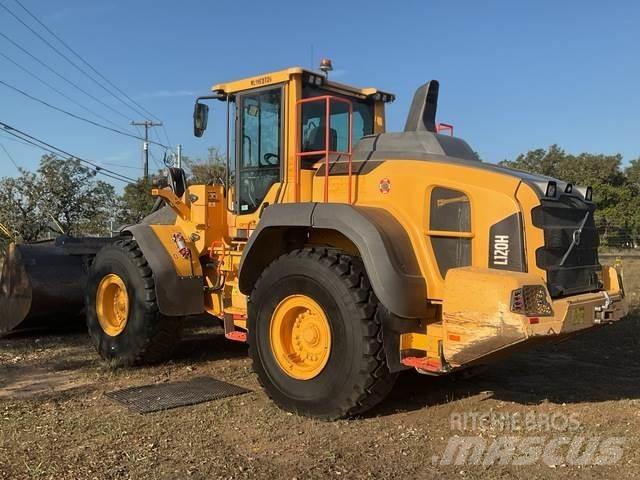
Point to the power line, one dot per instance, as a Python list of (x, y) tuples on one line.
[(85, 62), (80, 69), (15, 164), (75, 85), (155, 160), (59, 92), (96, 170), (78, 117), (147, 124), (166, 135), (129, 167), (13, 139), (57, 151)]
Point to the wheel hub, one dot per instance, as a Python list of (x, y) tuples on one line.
[(300, 337), (112, 305)]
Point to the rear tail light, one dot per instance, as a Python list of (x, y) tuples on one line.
[(531, 300)]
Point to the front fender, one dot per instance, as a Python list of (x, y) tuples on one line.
[(178, 281)]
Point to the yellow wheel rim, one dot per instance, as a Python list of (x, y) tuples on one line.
[(112, 305), (300, 337)]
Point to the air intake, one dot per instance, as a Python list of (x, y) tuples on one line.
[(422, 114)]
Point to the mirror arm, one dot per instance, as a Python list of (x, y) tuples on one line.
[(217, 96)]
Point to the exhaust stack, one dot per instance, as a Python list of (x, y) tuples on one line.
[(422, 114)]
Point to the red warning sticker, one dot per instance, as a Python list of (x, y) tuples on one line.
[(385, 186)]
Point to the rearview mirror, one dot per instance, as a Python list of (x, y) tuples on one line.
[(200, 118)]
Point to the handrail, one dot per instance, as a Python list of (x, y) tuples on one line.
[(327, 150), (444, 126)]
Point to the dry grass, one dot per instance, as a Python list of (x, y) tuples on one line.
[(55, 422)]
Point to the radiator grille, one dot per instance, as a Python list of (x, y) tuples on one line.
[(560, 219)]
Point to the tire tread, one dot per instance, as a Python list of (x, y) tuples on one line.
[(374, 381)]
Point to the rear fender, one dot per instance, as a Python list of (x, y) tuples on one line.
[(381, 241), (178, 280)]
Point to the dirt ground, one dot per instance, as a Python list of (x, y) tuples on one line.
[(55, 421)]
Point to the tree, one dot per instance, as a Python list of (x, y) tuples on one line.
[(20, 207), (70, 194), (136, 202), (63, 196), (633, 171), (213, 170), (616, 191), (539, 161)]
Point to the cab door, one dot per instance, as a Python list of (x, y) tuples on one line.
[(259, 153)]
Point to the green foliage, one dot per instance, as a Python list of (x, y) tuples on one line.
[(20, 207), (71, 197), (136, 202), (61, 197), (615, 190), (209, 171)]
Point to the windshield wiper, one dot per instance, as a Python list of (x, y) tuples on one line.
[(576, 239)]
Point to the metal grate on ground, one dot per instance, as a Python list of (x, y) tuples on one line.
[(164, 396)]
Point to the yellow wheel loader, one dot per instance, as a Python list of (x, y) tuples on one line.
[(344, 254)]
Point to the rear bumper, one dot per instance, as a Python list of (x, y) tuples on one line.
[(579, 312), (482, 317)]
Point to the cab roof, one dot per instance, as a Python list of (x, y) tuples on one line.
[(310, 76)]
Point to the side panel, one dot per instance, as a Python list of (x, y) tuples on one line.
[(382, 242), (179, 283)]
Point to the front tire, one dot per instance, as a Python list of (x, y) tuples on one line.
[(123, 318), (315, 335)]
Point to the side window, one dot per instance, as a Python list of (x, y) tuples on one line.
[(450, 228), (260, 147), (313, 122)]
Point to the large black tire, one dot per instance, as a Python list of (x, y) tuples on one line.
[(355, 377), (148, 336)]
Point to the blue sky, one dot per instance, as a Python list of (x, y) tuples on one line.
[(514, 75)]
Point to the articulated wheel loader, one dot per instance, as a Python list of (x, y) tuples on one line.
[(344, 254)]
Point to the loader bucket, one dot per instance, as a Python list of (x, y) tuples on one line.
[(43, 283)]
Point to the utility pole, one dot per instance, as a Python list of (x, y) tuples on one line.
[(147, 124), (179, 162)]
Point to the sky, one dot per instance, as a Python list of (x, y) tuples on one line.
[(514, 75)]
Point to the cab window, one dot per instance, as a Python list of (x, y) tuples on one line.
[(313, 121), (260, 146)]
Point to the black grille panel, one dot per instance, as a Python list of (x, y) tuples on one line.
[(560, 219)]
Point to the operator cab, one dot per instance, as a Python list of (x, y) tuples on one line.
[(266, 150)]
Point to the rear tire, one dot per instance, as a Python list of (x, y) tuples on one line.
[(144, 335), (355, 376)]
